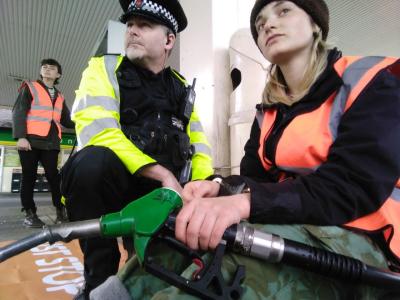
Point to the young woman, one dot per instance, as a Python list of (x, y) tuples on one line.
[(324, 149), (321, 166)]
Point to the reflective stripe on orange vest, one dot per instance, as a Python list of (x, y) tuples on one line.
[(303, 154), (42, 111)]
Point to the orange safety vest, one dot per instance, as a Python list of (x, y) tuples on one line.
[(303, 154), (42, 111)]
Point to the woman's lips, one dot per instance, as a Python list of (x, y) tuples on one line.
[(272, 38)]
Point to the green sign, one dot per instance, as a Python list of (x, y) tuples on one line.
[(68, 139), (6, 138)]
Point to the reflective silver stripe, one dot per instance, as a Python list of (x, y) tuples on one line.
[(46, 108), (351, 77), (35, 118), (201, 148), (108, 103), (196, 127), (260, 118), (396, 194), (299, 171), (110, 62), (39, 107), (35, 93), (96, 127)]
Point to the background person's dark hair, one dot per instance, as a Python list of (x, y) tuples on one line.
[(52, 62)]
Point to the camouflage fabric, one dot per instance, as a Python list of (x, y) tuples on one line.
[(272, 281)]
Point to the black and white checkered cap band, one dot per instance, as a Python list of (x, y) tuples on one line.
[(155, 9)]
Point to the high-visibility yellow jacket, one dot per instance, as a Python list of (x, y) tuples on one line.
[(96, 113)]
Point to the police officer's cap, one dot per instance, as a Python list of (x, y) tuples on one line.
[(166, 12)]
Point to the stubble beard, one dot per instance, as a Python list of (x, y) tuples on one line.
[(134, 55)]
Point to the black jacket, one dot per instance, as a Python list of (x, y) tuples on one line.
[(147, 93), (20, 110), (151, 106), (363, 163)]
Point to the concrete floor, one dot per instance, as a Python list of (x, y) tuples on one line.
[(11, 217)]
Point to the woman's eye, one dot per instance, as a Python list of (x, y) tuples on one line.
[(284, 11), (260, 26)]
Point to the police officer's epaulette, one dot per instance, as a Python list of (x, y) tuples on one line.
[(104, 54), (179, 76)]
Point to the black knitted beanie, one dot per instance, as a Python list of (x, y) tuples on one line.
[(317, 9)]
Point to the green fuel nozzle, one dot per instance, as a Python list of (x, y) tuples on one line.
[(142, 218)]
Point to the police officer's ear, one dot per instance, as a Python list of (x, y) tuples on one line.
[(170, 41)]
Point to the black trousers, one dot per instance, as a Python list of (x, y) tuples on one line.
[(29, 162), (95, 182)]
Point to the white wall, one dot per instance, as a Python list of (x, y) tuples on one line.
[(115, 37), (204, 54)]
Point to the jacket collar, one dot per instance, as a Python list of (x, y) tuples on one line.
[(328, 82)]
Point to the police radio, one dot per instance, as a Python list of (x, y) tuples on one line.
[(188, 103)]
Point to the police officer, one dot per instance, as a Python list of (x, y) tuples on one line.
[(136, 129)]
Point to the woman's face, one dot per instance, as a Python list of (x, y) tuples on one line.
[(284, 31)]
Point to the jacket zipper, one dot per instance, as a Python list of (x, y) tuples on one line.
[(271, 142)]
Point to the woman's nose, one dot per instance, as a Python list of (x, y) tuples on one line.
[(269, 24)]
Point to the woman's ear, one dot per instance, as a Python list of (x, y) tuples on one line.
[(316, 30)]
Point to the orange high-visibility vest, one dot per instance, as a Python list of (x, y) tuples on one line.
[(42, 111), (303, 154)]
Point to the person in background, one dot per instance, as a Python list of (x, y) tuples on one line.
[(37, 115), (136, 129)]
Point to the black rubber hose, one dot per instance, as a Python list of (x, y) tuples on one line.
[(24, 244), (323, 262), (63, 232), (337, 266)]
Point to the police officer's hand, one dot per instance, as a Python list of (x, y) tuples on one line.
[(199, 189), (159, 173), (23, 144), (202, 221)]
